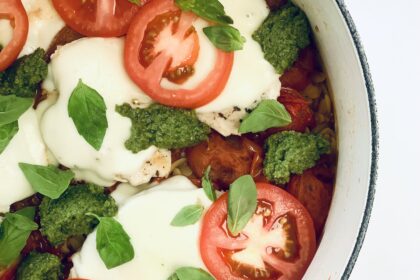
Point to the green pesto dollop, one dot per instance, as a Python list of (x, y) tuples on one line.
[(40, 266), (291, 152), (163, 127), (66, 216), (282, 35), (23, 77)]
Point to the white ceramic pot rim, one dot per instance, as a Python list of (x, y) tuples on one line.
[(375, 138)]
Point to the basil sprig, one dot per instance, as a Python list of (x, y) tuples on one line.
[(88, 110), (47, 180), (189, 273), (188, 215), (112, 242), (14, 232), (207, 185), (225, 37), (268, 114), (11, 108), (211, 10), (242, 203)]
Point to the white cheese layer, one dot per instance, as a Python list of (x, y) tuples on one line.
[(98, 62), (159, 247), (44, 24), (27, 147)]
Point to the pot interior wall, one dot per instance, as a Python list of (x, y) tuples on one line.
[(354, 138)]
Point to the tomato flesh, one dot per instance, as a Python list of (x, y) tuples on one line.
[(298, 76), (178, 49), (229, 159), (103, 18), (277, 243), (159, 35), (14, 11), (314, 194)]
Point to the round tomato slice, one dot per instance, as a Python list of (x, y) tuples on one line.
[(155, 51), (102, 18), (277, 243), (14, 11)]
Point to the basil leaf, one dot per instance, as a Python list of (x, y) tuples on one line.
[(226, 38), (268, 114), (7, 132), (190, 273), (47, 180), (21, 222), (28, 212), (211, 10), (242, 203), (188, 215), (208, 186), (14, 232), (12, 107), (112, 242), (88, 110)]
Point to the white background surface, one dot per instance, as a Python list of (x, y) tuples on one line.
[(390, 32)]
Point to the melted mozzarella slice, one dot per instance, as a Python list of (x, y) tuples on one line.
[(159, 247), (252, 78), (27, 146), (98, 62), (44, 24)]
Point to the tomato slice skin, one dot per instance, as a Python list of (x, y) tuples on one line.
[(213, 235), (14, 11), (99, 18), (149, 78)]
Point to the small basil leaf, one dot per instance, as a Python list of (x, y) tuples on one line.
[(242, 203), (188, 215), (28, 212), (190, 273), (12, 107), (14, 232), (268, 114), (113, 243), (208, 186), (88, 110), (47, 180), (211, 10), (21, 222), (7, 132), (226, 38)]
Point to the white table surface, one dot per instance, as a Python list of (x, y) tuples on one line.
[(390, 32)]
